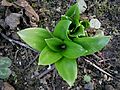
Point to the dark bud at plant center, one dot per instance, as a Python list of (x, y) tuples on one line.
[(63, 46), (72, 26)]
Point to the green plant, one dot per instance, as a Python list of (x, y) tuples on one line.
[(65, 44), (5, 63)]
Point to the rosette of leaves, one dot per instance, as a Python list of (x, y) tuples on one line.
[(77, 26), (5, 63), (65, 44)]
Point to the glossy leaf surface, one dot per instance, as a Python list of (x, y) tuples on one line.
[(35, 37), (92, 44), (67, 69), (61, 29), (73, 50), (48, 56), (54, 43)]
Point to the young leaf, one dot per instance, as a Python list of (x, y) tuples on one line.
[(92, 44), (95, 23), (35, 37), (73, 50), (4, 73), (85, 23), (78, 32), (74, 13), (67, 69), (5, 62), (54, 43), (61, 29), (48, 56), (64, 17)]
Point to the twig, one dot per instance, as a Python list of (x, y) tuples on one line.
[(98, 68), (16, 42), (97, 57), (31, 62), (105, 60), (46, 72), (53, 77)]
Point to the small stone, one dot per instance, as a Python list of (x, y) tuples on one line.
[(77, 88), (2, 23), (89, 86), (116, 72), (109, 87), (100, 81), (105, 77), (7, 86), (95, 23), (36, 73), (82, 5), (15, 36), (58, 9), (6, 3), (13, 20)]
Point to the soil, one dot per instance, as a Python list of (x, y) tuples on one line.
[(26, 76)]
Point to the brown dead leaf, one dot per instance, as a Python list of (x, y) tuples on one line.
[(29, 11), (13, 20), (6, 3), (7, 86)]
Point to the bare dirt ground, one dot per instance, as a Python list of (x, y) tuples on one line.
[(27, 75)]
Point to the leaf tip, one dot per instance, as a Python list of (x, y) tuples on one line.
[(71, 83), (19, 33)]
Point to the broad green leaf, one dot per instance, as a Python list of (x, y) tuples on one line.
[(67, 69), (73, 50), (54, 43), (61, 29), (35, 37), (5, 62), (4, 73), (48, 56), (74, 13), (78, 32), (92, 44)]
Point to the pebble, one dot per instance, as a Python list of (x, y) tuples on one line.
[(109, 87), (89, 86)]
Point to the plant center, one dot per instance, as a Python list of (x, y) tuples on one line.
[(62, 46)]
